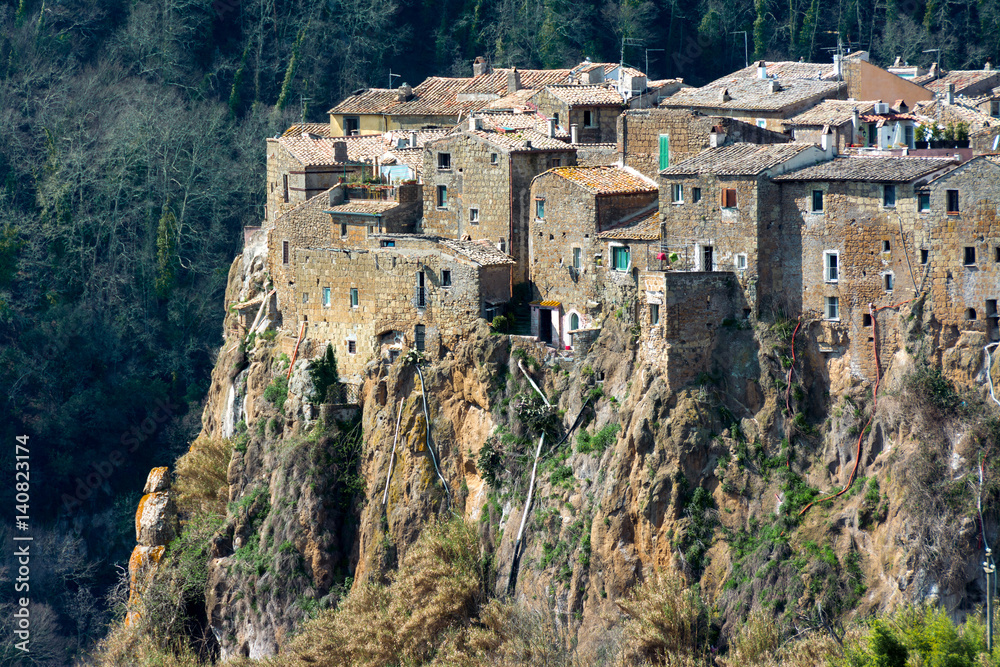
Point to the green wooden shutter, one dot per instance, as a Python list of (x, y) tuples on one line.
[(664, 151)]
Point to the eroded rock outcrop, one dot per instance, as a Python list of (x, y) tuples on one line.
[(155, 525)]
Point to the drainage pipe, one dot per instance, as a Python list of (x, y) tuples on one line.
[(427, 433), (392, 459)]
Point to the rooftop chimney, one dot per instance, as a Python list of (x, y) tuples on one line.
[(989, 65), (404, 92), (899, 61), (337, 195), (773, 86), (761, 69), (828, 141), (836, 65), (552, 128), (724, 95), (513, 81), (340, 152), (949, 95), (717, 137), (574, 134), (413, 138), (480, 66), (527, 144), (855, 124), (933, 71), (474, 124)]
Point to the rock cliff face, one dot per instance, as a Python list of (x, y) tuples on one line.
[(155, 526), (715, 479)]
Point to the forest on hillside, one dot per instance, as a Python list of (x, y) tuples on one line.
[(132, 154)]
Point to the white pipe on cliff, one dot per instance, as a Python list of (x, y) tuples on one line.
[(534, 467), (392, 459), (989, 371), (427, 433)]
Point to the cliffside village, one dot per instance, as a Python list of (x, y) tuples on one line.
[(823, 191)]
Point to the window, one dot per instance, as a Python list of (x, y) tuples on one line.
[(995, 108), (352, 347), (444, 161), (418, 337), (923, 202), (866, 320), (664, 151), (555, 117), (991, 307), (588, 118), (371, 229), (924, 255), (540, 208), (952, 201), (817, 201), (574, 322), (555, 162), (831, 264), (284, 252), (677, 193), (889, 195), (654, 313), (620, 258), (996, 254), (284, 183), (442, 196), (741, 262), (343, 230), (970, 314), (305, 297), (729, 198), (832, 308), (889, 282), (707, 258), (762, 122), (695, 195), (473, 216), (577, 258), (494, 158), (886, 245), (421, 296), (970, 256), (388, 244), (326, 297), (354, 297), (352, 125), (502, 245), (446, 278), (908, 135)]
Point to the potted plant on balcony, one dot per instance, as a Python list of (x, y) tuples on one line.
[(923, 136), (962, 135)]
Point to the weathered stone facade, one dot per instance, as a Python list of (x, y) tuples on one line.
[(639, 131), (602, 127), (290, 182), (371, 302), (492, 179)]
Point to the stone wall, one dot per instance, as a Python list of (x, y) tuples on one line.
[(639, 130), (605, 124), (499, 189), (387, 311), (303, 182), (692, 308)]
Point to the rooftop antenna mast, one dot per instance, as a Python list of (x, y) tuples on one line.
[(937, 60), (840, 50), (390, 77), (302, 107), (626, 41), (746, 51)]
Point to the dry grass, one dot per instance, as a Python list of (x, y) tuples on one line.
[(667, 623), (201, 475), (435, 593), (136, 645)]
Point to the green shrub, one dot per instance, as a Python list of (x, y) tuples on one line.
[(324, 376), (277, 392)]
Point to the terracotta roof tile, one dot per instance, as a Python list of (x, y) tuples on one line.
[(963, 80), (318, 129), (312, 151), (892, 169), (516, 141), (371, 206), (937, 112), (605, 180), (752, 94), (787, 69), (367, 100), (517, 121), (482, 252), (738, 159), (586, 95), (830, 112), (645, 227)]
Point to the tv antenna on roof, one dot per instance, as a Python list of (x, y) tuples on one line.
[(302, 107), (390, 77), (746, 52), (938, 59)]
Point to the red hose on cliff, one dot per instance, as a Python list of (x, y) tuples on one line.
[(788, 389), (878, 379)]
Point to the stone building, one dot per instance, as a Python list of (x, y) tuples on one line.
[(857, 231), (343, 216), (571, 265), (843, 117), (476, 185), (653, 139), (965, 82), (762, 100), (394, 293), (717, 207), (591, 112), (300, 165)]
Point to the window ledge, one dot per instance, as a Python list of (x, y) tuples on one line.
[(953, 212), (676, 203)]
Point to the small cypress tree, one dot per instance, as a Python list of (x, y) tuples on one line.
[(326, 380)]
